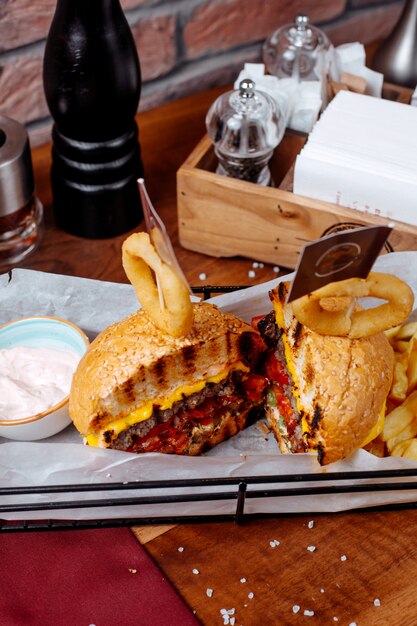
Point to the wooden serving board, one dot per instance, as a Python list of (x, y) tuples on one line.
[(224, 217)]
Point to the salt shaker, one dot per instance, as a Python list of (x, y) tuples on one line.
[(21, 212), (296, 50), (245, 126)]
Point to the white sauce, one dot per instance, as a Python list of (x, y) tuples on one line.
[(33, 380)]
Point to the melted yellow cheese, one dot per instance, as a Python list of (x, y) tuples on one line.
[(145, 410), (279, 316), (377, 429)]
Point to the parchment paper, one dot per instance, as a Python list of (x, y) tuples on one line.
[(63, 459)]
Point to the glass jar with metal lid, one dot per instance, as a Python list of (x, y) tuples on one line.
[(21, 213), (296, 50), (245, 126)]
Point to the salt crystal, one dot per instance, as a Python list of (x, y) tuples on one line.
[(377, 602), (255, 265), (202, 276), (343, 557), (308, 613), (250, 595), (310, 524), (223, 611), (209, 592), (251, 274), (295, 608), (195, 571), (180, 549), (232, 621), (311, 548), (243, 580), (276, 269)]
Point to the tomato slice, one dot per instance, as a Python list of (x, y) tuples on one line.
[(255, 321), (255, 386), (275, 371)]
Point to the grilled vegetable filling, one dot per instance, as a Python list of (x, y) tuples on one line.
[(281, 402), (191, 422)]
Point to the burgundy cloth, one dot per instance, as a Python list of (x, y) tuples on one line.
[(82, 577)]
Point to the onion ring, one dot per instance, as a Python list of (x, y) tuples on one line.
[(174, 315), (351, 320)]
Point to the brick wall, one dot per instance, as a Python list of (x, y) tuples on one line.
[(184, 46)]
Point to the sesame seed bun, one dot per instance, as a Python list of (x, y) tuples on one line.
[(341, 384), (133, 362)]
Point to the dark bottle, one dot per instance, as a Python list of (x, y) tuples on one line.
[(92, 84)]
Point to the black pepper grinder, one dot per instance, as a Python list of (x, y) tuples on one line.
[(92, 83)]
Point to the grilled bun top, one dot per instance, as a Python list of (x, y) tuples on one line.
[(132, 362), (341, 383)]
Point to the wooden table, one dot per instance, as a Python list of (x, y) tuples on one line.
[(237, 561)]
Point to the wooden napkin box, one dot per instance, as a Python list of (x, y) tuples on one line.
[(223, 217)]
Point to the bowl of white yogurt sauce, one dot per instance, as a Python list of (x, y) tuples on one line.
[(38, 357)]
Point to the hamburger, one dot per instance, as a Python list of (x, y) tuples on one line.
[(326, 394), (139, 389)]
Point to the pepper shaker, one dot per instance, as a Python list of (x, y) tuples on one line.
[(21, 212), (245, 126)]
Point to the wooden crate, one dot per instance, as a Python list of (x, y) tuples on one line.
[(223, 217)]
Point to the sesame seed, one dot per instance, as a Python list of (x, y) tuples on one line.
[(308, 613), (343, 557), (251, 595), (251, 274), (377, 602), (321, 590), (202, 276), (295, 608), (209, 592), (335, 619), (311, 548), (243, 580), (232, 621), (180, 549), (310, 524), (255, 265), (195, 571), (276, 269), (274, 543), (353, 624), (261, 265)]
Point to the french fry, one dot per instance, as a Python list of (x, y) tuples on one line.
[(407, 449), (391, 333), (401, 346), (412, 365), (406, 331), (399, 385), (401, 423)]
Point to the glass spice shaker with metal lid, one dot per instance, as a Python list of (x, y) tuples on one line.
[(21, 213), (245, 126), (297, 50)]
